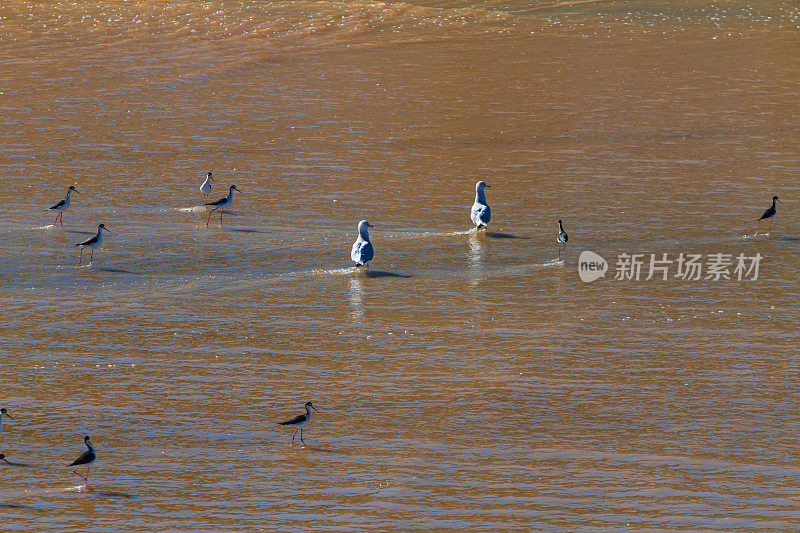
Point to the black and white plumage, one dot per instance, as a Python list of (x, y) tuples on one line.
[(221, 204), (205, 188), (769, 214), (480, 213), (362, 251), (92, 242), (4, 412), (299, 421), (85, 459), (63, 205), (562, 239)]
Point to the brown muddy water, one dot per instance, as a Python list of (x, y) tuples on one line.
[(468, 382)]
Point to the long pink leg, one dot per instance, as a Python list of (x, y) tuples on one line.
[(293, 436), (301, 438), (209, 216), (80, 258), (91, 257), (79, 474), (770, 225), (220, 218)]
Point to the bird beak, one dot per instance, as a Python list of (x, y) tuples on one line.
[(11, 417), (488, 186), (781, 201), (314, 408), (370, 226), (76, 190), (106, 229)]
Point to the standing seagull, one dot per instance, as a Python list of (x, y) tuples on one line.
[(86, 458), (92, 242), (480, 214), (205, 188), (221, 204), (770, 214), (62, 206), (4, 411), (562, 238), (362, 252), (299, 421)]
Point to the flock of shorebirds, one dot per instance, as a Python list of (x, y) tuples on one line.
[(87, 458), (361, 254), (362, 251)]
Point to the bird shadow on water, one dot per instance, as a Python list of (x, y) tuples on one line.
[(495, 235), (119, 495), (384, 274), (115, 270), (318, 450), (20, 507), (247, 230)]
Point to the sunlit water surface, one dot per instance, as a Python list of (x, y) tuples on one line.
[(468, 382)]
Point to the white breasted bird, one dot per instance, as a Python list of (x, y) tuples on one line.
[(481, 213), (299, 421)]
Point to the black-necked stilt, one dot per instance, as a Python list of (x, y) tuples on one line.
[(362, 252), (85, 459), (92, 242), (221, 204), (62, 206), (480, 214), (770, 214), (205, 188), (4, 412), (562, 238), (299, 421)]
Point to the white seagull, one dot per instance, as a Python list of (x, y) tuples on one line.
[(480, 214), (63, 205), (92, 242), (362, 252), (205, 188), (221, 204)]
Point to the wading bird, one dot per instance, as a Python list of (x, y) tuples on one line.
[(92, 242), (221, 204), (480, 214), (362, 252), (770, 214), (85, 459), (562, 238), (205, 188), (299, 421), (62, 206)]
